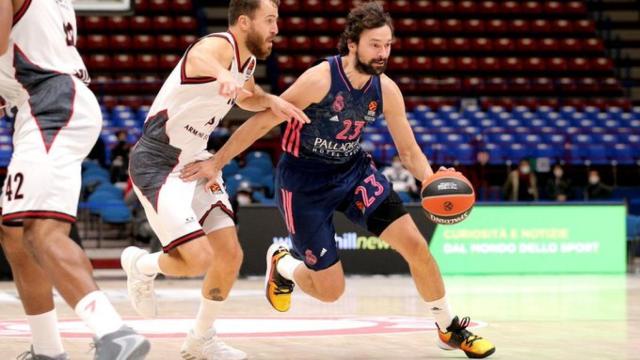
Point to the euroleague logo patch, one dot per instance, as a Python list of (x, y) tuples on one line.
[(447, 205), (216, 189), (176, 328)]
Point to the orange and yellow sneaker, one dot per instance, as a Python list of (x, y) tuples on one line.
[(458, 337), (278, 289)]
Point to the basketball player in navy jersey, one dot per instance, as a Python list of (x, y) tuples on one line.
[(324, 170)]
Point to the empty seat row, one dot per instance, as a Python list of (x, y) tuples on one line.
[(415, 44), (448, 27), (125, 62), (163, 6), (136, 43), (515, 85), (455, 8), (137, 24)]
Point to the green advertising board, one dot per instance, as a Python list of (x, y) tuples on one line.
[(535, 239)]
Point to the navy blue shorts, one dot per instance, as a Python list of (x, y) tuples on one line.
[(308, 193)]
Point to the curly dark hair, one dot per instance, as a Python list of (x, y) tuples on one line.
[(368, 15), (244, 7)]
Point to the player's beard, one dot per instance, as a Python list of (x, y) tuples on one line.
[(258, 45), (370, 68)]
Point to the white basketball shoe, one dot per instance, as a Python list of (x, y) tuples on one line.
[(139, 285), (209, 347)]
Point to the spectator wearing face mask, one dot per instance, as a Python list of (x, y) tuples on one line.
[(402, 180), (244, 194), (596, 190), (521, 184), (558, 187)]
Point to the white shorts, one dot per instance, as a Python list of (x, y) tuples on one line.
[(186, 211), (54, 131)]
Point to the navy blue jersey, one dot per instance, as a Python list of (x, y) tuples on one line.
[(337, 122)]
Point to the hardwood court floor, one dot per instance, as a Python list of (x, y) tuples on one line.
[(527, 317)]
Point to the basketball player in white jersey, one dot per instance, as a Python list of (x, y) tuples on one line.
[(196, 224), (57, 122)]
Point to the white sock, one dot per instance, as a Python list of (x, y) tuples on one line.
[(287, 267), (98, 314), (207, 314), (149, 264), (45, 336), (441, 312)]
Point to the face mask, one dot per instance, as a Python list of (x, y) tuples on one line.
[(244, 199), (593, 180), (557, 173), (525, 169)]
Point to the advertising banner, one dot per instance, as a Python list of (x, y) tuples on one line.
[(495, 239)]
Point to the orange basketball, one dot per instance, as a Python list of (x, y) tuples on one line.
[(447, 197)]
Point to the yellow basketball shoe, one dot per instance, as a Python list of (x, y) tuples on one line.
[(458, 337), (278, 289)]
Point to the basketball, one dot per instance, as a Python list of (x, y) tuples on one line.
[(447, 197)]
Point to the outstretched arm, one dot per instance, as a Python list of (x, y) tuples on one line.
[(310, 88), (210, 58), (261, 100), (6, 22), (395, 114)]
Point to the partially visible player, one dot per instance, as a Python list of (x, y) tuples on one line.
[(325, 170), (57, 122), (196, 224)]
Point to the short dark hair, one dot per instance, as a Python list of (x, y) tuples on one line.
[(369, 15), (244, 7)]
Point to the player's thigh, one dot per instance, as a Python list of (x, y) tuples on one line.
[(37, 187), (171, 217), (403, 235)]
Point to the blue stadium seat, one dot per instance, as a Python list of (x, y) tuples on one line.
[(231, 183), (464, 154), (5, 155), (252, 174), (529, 139), (567, 111), (622, 153), (597, 154), (427, 138), (496, 153), (109, 188), (455, 138), (502, 138), (578, 152), (582, 139), (517, 152), (547, 151), (591, 112), (384, 153), (609, 139), (114, 212), (231, 168)]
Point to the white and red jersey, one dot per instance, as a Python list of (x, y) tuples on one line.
[(187, 109), (42, 41)]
